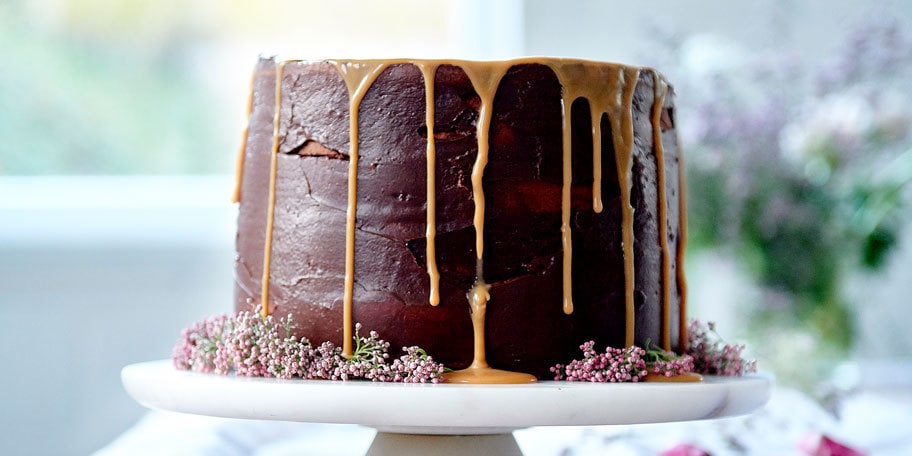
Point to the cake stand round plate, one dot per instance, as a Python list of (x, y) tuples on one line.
[(442, 409)]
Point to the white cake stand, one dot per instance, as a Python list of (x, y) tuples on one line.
[(442, 419)]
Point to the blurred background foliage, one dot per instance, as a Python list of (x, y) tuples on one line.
[(76, 101), (799, 172), (149, 86)]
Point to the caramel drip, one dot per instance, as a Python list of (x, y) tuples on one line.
[(576, 82), (596, 115), (614, 98), (429, 71), (479, 371), (358, 76), (682, 243), (485, 78), (242, 149), (575, 78), (622, 131), (273, 166), (566, 187), (657, 105), (479, 296)]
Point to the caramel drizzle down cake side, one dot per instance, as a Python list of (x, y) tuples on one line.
[(485, 79), (612, 96), (623, 124), (658, 103), (682, 243), (242, 150), (358, 76), (429, 72), (273, 167)]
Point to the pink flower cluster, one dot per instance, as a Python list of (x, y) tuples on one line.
[(251, 346), (672, 365), (712, 356), (201, 346), (684, 449), (704, 355), (614, 365)]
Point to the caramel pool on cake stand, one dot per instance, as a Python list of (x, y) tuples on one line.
[(479, 372)]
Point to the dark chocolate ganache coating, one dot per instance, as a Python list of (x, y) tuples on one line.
[(526, 329)]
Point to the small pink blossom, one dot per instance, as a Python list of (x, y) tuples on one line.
[(685, 449), (822, 445), (712, 356)]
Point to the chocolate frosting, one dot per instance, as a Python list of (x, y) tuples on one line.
[(526, 329)]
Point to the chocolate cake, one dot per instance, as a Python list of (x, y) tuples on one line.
[(548, 191)]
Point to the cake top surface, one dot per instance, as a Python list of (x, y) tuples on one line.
[(554, 62)]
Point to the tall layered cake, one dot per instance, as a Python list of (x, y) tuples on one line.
[(494, 213)]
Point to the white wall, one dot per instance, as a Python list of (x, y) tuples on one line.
[(626, 31), (95, 274)]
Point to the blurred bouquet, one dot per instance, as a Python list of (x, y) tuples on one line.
[(798, 171)]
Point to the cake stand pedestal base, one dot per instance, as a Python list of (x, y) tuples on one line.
[(392, 444), (445, 419)]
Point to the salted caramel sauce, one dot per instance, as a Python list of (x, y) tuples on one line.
[(270, 214), (485, 78), (658, 104), (689, 377), (479, 371), (596, 116), (624, 157), (242, 149), (614, 98), (428, 72), (566, 233), (576, 79), (358, 76), (682, 241)]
